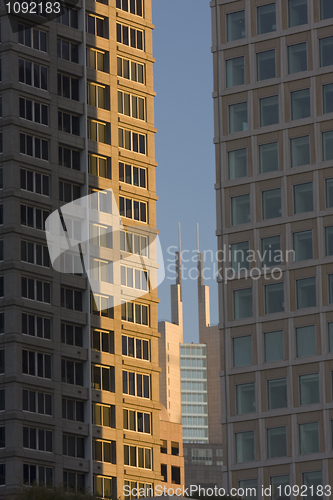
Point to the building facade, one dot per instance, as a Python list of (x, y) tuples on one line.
[(273, 108), (79, 376)]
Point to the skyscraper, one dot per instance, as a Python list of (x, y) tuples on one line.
[(273, 105), (79, 389)]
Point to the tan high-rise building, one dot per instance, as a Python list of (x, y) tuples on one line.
[(79, 379), (273, 107)]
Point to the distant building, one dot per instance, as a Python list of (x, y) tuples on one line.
[(172, 460), (190, 396)]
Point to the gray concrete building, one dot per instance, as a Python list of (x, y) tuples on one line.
[(273, 109), (79, 378)]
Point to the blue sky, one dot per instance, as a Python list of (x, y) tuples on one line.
[(185, 175)]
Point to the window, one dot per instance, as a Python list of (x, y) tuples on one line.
[(279, 482), (2, 323), (277, 393), (34, 182), (329, 240), (309, 389), (130, 36), (236, 25), (34, 146), (131, 105), (133, 209), (71, 372), (1, 178), (69, 158), (34, 111), (300, 151), (97, 25), (268, 157), (67, 50), (73, 409), (1, 286), (238, 117), (102, 341), (103, 486), (68, 123), (135, 313), (32, 74), (308, 438), (269, 111), (131, 70), (235, 72), (266, 18), (135, 6), (134, 278), (330, 285), (71, 334), (101, 305), (271, 204), (2, 361), (240, 210), (137, 421), (132, 141), (328, 98), (237, 161), (98, 95), (104, 415), (239, 256), (136, 384), (36, 326), (297, 58), (71, 299), (306, 341), (277, 442), (328, 145), (104, 451), (98, 131), (300, 104), (100, 236), (274, 298), (37, 439), (303, 198), (102, 378), (68, 87), (37, 474), (274, 346), (326, 53), (73, 481), (245, 397), (72, 446), (245, 448), (99, 166), (312, 479), (250, 486), (36, 290), (68, 17), (243, 303), (32, 37), (137, 176), (37, 402), (135, 456), (2, 400), (303, 245), (330, 337), (68, 192), (97, 59), (36, 364), (298, 12), (242, 348), (101, 201), (266, 65), (135, 347), (306, 293), (326, 9)]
